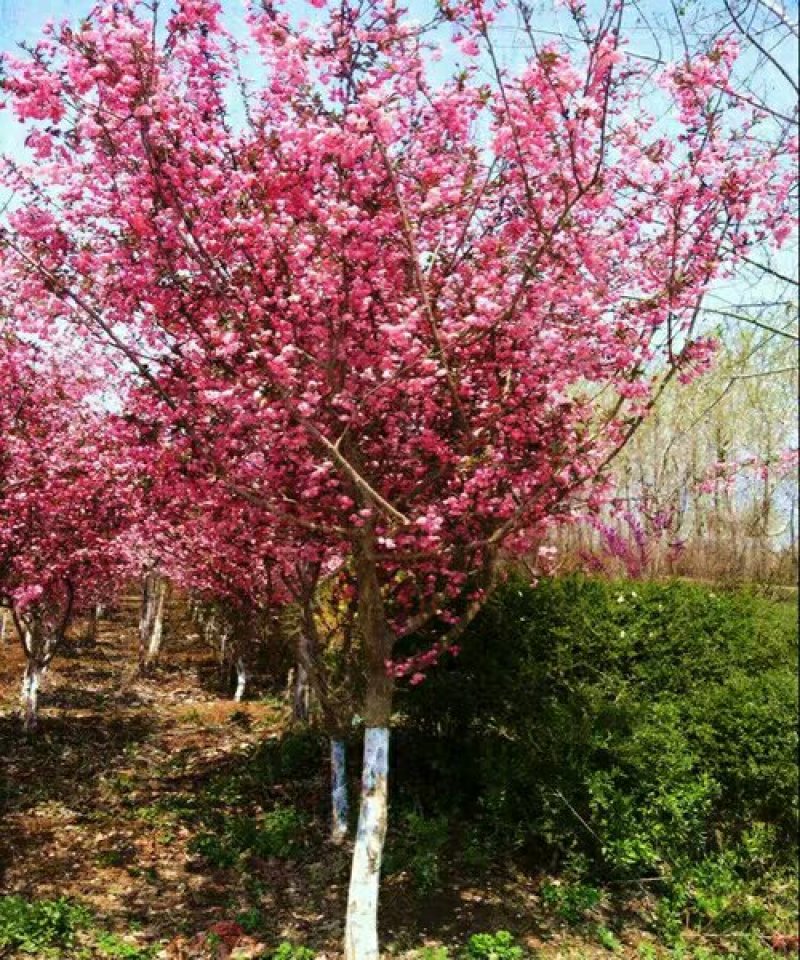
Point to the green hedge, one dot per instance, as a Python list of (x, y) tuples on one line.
[(631, 727)]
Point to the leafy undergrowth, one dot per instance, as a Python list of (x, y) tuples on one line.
[(150, 819)]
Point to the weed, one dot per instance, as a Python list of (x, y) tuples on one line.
[(281, 832), (111, 858), (433, 953), (44, 927), (251, 920), (291, 951), (570, 901), (110, 945), (493, 946), (607, 938)]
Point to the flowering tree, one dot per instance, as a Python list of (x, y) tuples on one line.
[(411, 312), (220, 555), (59, 509)]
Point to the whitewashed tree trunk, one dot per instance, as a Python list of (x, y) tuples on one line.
[(146, 617), (157, 635), (361, 931), (151, 621), (241, 679), (339, 800), (41, 629), (39, 644), (31, 683)]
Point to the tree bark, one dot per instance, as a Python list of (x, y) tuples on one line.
[(241, 678), (31, 682), (301, 695), (90, 634), (39, 639), (151, 621), (361, 927), (339, 800), (361, 932)]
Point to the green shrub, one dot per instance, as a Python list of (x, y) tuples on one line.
[(641, 726), (493, 946), (44, 927), (251, 920), (218, 849), (281, 833)]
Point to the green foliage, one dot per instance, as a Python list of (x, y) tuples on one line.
[(718, 896), (251, 920), (433, 953), (607, 938), (280, 832), (570, 901), (44, 927), (291, 951), (110, 945), (217, 849), (641, 726), (493, 946), (417, 848)]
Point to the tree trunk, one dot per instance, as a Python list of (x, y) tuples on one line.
[(31, 683), (151, 621), (361, 928), (146, 617), (90, 634), (301, 700), (39, 644), (241, 678), (339, 803), (361, 931)]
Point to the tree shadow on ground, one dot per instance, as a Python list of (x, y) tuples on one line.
[(64, 758)]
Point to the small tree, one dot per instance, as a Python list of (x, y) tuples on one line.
[(60, 510)]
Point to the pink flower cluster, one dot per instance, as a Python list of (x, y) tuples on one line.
[(414, 667)]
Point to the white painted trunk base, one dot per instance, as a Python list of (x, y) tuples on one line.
[(241, 679), (339, 802), (157, 632), (361, 931), (31, 683), (151, 623)]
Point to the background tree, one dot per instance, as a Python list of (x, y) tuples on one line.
[(61, 503)]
